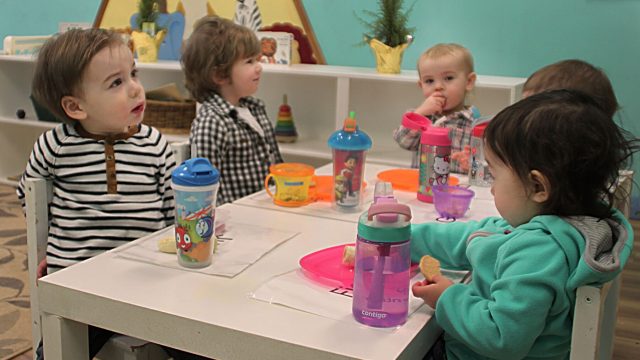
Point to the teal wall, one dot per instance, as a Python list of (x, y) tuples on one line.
[(506, 37)]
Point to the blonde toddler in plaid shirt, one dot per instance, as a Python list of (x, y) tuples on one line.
[(445, 77)]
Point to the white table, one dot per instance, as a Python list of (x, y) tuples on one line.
[(481, 206), (214, 316)]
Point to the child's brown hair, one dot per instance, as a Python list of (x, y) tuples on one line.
[(575, 75), (61, 65), (212, 49)]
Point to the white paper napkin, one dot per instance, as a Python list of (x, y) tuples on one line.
[(241, 246), (295, 290)]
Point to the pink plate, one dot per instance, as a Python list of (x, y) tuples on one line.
[(326, 266)]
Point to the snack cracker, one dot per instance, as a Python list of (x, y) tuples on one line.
[(167, 244), (429, 267), (349, 255)]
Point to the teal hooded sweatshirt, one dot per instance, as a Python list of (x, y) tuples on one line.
[(519, 303)]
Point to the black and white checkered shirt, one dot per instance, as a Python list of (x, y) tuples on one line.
[(241, 154)]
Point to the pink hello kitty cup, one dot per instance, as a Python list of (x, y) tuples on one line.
[(435, 155)]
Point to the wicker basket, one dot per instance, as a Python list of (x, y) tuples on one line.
[(170, 116)]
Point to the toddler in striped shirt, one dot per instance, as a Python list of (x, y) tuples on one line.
[(110, 174)]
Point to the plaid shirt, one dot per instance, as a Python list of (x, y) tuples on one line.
[(460, 124), (241, 154)]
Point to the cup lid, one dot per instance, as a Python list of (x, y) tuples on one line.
[(415, 121), (385, 232), (350, 137), (292, 169), (350, 140), (478, 130), (195, 172), (436, 136)]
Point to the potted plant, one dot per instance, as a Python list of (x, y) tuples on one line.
[(148, 37), (147, 16), (389, 34)]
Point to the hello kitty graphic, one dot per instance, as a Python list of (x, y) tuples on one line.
[(440, 173)]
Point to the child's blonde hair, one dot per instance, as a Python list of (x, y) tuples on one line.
[(212, 49), (61, 64), (439, 50)]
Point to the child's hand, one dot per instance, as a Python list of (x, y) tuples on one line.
[(463, 158), (430, 291), (434, 104), (42, 268)]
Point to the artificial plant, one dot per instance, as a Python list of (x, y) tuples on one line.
[(388, 24), (147, 12)]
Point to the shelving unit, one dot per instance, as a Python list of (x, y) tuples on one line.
[(321, 96)]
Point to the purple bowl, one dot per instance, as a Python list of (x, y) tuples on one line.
[(451, 202)]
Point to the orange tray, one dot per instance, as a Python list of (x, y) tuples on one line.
[(407, 179)]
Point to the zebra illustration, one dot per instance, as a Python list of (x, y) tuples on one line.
[(248, 14)]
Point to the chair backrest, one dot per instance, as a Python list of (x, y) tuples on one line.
[(594, 321), (595, 313), (622, 192), (181, 151), (37, 198)]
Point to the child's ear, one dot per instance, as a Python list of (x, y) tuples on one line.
[(471, 81), (72, 106), (218, 79), (540, 186)]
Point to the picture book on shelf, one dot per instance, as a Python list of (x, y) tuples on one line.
[(276, 47)]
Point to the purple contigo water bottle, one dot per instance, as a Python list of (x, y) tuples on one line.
[(382, 266)]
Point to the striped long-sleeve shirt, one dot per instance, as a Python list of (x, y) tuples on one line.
[(107, 191)]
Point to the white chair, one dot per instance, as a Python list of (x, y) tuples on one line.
[(595, 312), (181, 151), (594, 321), (38, 194)]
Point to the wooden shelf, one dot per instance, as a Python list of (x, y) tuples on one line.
[(321, 96)]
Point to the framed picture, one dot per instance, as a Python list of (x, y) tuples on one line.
[(180, 16)]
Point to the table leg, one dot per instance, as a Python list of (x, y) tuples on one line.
[(64, 338)]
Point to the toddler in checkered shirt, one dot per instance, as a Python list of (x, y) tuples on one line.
[(221, 63), (445, 77)]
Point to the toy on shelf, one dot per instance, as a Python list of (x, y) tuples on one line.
[(285, 128)]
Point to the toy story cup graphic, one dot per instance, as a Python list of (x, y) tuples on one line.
[(195, 183), (292, 184), (349, 149)]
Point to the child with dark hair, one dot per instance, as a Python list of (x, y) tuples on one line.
[(554, 157), (221, 63)]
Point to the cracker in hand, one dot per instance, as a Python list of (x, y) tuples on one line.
[(429, 267)]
